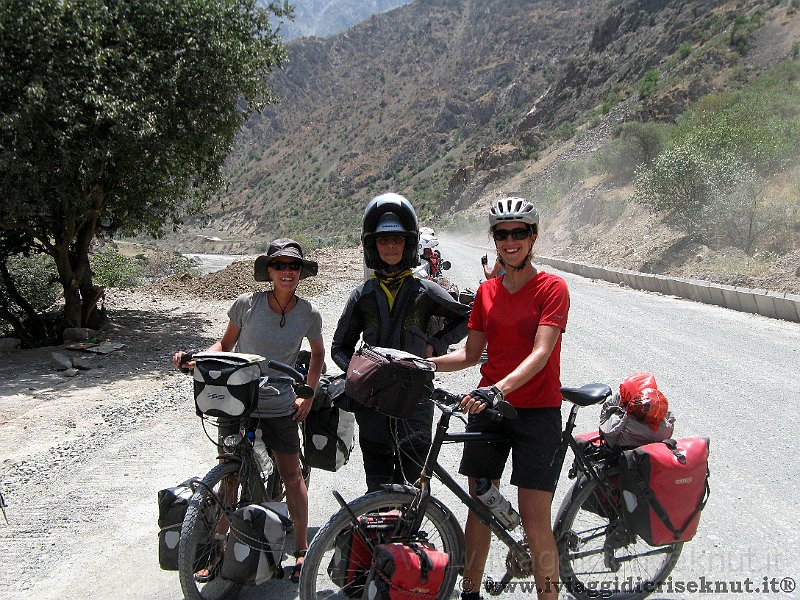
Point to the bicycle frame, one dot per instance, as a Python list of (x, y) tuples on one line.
[(432, 467)]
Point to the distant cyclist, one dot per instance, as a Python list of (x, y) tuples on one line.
[(393, 309), (519, 318)]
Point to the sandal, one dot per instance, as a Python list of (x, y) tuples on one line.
[(298, 566), (213, 568)]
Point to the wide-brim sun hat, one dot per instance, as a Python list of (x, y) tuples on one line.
[(287, 248)]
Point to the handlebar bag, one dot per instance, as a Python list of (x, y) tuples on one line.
[(405, 571), (352, 558), (226, 383), (254, 549), (664, 489), (388, 380), (172, 505), (328, 438)]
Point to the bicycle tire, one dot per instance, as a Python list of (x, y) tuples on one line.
[(591, 546), (198, 549), (443, 531)]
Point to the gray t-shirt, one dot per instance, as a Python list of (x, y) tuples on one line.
[(262, 334)]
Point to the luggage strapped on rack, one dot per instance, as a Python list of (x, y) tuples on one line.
[(328, 431), (172, 505), (405, 571), (665, 488), (256, 538), (352, 559)]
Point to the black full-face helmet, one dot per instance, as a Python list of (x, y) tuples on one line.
[(390, 213)]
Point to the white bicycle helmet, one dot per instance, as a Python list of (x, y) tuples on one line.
[(514, 208)]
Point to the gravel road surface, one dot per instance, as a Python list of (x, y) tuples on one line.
[(83, 458)]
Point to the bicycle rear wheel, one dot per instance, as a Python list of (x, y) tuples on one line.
[(202, 541), (598, 553), (443, 531)]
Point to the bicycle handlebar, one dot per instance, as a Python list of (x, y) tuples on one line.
[(498, 411)]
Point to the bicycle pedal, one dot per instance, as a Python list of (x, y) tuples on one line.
[(494, 588)]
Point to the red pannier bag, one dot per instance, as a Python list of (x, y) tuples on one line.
[(407, 571), (352, 558), (664, 488)]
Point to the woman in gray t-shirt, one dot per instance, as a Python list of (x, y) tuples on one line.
[(274, 324)]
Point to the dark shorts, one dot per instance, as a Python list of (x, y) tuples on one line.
[(281, 434), (533, 440)]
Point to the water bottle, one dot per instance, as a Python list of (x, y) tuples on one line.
[(487, 493), (263, 459)]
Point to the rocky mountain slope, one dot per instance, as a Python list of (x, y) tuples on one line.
[(324, 18), (453, 101)]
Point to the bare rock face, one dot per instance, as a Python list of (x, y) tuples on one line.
[(494, 156)]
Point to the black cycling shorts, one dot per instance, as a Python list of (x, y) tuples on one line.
[(533, 440)]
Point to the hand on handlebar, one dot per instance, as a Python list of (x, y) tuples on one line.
[(183, 361), (483, 397)]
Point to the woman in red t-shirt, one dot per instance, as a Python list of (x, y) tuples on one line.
[(518, 318)]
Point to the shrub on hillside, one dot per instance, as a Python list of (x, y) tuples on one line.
[(112, 269), (636, 144)]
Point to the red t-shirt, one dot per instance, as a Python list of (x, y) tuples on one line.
[(509, 322)]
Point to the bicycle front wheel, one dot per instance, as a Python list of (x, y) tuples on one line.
[(202, 541), (441, 528), (599, 554)]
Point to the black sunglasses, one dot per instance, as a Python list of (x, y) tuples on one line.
[(517, 234), (292, 266)]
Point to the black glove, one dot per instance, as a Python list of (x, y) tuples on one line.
[(484, 260), (494, 398), (488, 394)]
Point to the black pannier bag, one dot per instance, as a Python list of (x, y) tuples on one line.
[(388, 380), (352, 557), (254, 549), (172, 505), (226, 383), (664, 488), (328, 432)]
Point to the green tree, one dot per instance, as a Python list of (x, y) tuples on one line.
[(683, 184), (118, 115), (636, 144)]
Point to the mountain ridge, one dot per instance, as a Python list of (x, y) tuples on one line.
[(453, 102)]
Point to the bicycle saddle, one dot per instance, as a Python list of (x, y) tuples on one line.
[(586, 395)]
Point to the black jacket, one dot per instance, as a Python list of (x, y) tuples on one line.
[(404, 328)]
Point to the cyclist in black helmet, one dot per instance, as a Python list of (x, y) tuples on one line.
[(393, 309)]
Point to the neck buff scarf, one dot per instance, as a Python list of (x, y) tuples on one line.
[(392, 283)]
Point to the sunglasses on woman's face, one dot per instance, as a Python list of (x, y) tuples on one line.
[(292, 266), (517, 234)]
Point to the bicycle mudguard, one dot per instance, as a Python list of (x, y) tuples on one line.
[(412, 491)]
